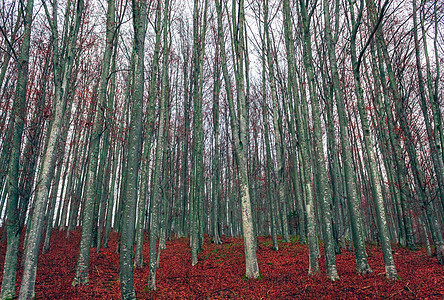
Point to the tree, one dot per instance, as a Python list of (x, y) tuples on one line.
[(140, 17), (216, 191), (324, 186), (197, 84), (97, 131), (280, 157), (19, 120), (375, 180), (239, 127), (158, 189), (48, 161)]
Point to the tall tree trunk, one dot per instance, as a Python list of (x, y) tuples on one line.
[(303, 143), (280, 157), (114, 150), (148, 140), (216, 164), (198, 178), (324, 185), (399, 100), (140, 16), (48, 161), (13, 230), (401, 172), (161, 143), (353, 200), (352, 195), (433, 84), (81, 276), (240, 132), (185, 144), (268, 161), (432, 133), (240, 137), (375, 180)]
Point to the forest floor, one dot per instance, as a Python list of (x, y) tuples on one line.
[(219, 273)]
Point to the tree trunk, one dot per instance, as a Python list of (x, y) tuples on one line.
[(216, 152), (48, 161), (240, 133), (324, 186), (88, 223), (13, 230), (198, 178), (161, 143)]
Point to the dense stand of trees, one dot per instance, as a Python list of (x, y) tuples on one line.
[(316, 119)]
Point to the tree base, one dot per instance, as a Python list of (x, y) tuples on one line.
[(8, 295), (439, 251), (332, 274), (216, 240), (194, 261), (139, 264), (313, 270), (391, 273), (80, 281), (363, 267)]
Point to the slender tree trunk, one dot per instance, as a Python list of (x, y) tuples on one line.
[(148, 140), (88, 223), (140, 16), (114, 150), (433, 84), (432, 134), (280, 157), (47, 168), (294, 110), (216, 152), (158, 189), (416, 171), (401, 172), (13, 230), (198, 55), (303, 144), (111, 201), (240, 132), (324, 186), (375, 180), (240, 137), (185, 144), (268, 162)]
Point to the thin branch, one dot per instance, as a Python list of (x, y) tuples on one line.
[(370, 38)]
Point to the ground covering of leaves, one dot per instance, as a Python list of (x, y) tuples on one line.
[(219, 273)]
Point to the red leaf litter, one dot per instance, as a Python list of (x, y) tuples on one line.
[(220, 273)]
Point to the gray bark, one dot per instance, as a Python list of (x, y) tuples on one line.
[(13, 230)]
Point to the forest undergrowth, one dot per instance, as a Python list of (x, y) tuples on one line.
[(219, 273)]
